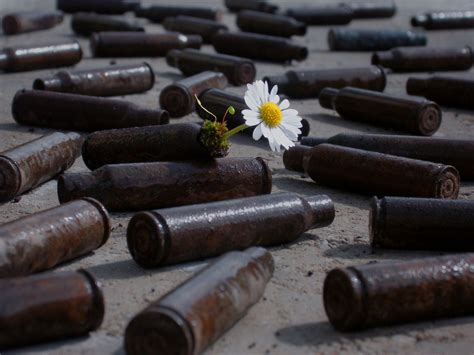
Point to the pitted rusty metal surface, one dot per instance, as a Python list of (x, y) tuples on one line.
[(85, 24), (270, 24), (294, 158), (29, 21), (194, 25)]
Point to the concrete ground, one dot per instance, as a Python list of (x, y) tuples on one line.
[(290, 319)]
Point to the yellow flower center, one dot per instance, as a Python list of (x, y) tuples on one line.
[(271, 114)]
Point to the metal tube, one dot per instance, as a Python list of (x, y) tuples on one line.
[(444, 20), (256, 5), (29, 21), (270, 24), (294, 158), (157, 13), (193, 25), (322, 15), (85, 24), (101, 7), (366, 10)]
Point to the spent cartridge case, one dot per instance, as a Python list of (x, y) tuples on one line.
[(80, 112), (389, 293), (255, 5), (239, 71), (27, 166), (180, 234), (110, 81), (144, 186), (85, 24), (101, 7), (258, 46), (194, 25), (342, 39), (413, 115), (294, 158), (380, 174), (195, 314), (51, 55), (43, 240), (29, 21), (444, 20), (49, 306), (158, 13), (270, 24), (366, 10), (321, 15)]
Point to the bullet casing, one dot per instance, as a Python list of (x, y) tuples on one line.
[(366, 10), (444, 20), (101, 7), (29, 21), (255, 5), (195, 314), (270, 24), (322, 15), (194, 25), (85, 24), (158, 13), (294, 158)]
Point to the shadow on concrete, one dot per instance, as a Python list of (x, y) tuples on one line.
[(170, 75), (49, 346)]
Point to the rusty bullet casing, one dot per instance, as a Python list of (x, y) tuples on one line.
[(294, 158), (255, 5), (421, 223), (29, 21), (425, 59), (101, 7), (321, 15), (143, 186), (85, 24), (389, 293), (27, 166), (49, 306), (52, 55), (456, 152), (239, 71), (179, 98), (350, 39), (158, 13), (80, 112), (180, 234), (404, 113), (366, 10), (380, 174), (270, 24), (257, 46), (144, 144), (309, 83), (140, 44), (195, 314), (455, 92), (217, 101), (110, 81), (444, 20), (45, 239), (194, 25)]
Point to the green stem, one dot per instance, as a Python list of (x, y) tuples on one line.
[(235, 130)]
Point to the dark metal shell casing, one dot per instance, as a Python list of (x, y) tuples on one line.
[(45, 239), (366, 10), (144, 186), (422, 223), (51, 55), (193, 25), (294, 158), (179, 98), (80, 112), (158, 13), (110, 81), (140, 44), (380, 174), (239, 71), (342, 39), (98, 6), (257, 46), (49, 306), (322, 15), (180, 234), (425, 59), (255, 5), (270, 24), (444, 20), (85, 24), (408, 114), (29, 21), (27, 166), (389, 293), (195, 314), (143, 144), (301, 84)]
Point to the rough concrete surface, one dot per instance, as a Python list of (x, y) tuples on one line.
[(290, 319)]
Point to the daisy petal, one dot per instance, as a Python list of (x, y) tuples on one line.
[(293, 121), (275, 99), (265, 92), (250, 101), (281, 138), (257, 132), (284, 104), (292, 133), (289, 112)]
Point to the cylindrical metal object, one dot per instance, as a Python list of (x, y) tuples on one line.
[(27, 166), (456, 152), (455, 92), (257, 46), (80, 112), (294, 158), (45, 239), (140, 44), (388, 293), (157, 13), (270, 24), (365, 10), (179, 98), (321, 15), (239, 71), (309, 83), (180, 234), (425, 59), (422, 223), (29, 21), (85, 24), (144, 144), (194, 25), (49, 306), (195, 314), (144, 186), (380, 174), (101, 7), (217, 101), (444, 20), (255, 5), (36, 57), (350, 39), (110, 81), (408, 114)]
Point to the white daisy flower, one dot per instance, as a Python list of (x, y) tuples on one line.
[(274, 119)]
